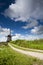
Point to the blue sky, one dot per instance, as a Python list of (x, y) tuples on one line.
[(24, 19)]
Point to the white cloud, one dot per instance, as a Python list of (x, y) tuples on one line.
[(24, 9), (32, 23), (3, 39), (26, 37), (37, 30), (3, 33), (17, 36)]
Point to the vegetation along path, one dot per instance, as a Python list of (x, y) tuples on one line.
[(34, 54)]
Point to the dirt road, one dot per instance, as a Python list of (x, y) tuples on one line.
[(31, 53)]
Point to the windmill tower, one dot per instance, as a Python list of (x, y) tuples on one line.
[(9, 37)]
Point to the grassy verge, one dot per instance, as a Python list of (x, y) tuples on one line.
[(26, 49), (36, 44), (10, 57)]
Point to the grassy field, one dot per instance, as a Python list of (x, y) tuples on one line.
[(10, 57), (36, 44)]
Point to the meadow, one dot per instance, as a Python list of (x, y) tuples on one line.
[(11, 57), (36, 44)]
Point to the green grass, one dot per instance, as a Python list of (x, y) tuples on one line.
[(11, 57), (36, 44)]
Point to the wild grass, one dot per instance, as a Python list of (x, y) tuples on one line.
[(11, 57), (36, 44)]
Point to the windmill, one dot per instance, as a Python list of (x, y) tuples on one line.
[(9, 37)]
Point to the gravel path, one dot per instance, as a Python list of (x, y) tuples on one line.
[(31, 53)]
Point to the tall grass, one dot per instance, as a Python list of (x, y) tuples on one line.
[(36, 44), (10, 57)]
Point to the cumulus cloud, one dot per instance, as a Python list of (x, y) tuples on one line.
[(4, 31), (3, 39), (24, 9), (32, 23), (37, 30), (17, 36), (26, 37)]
